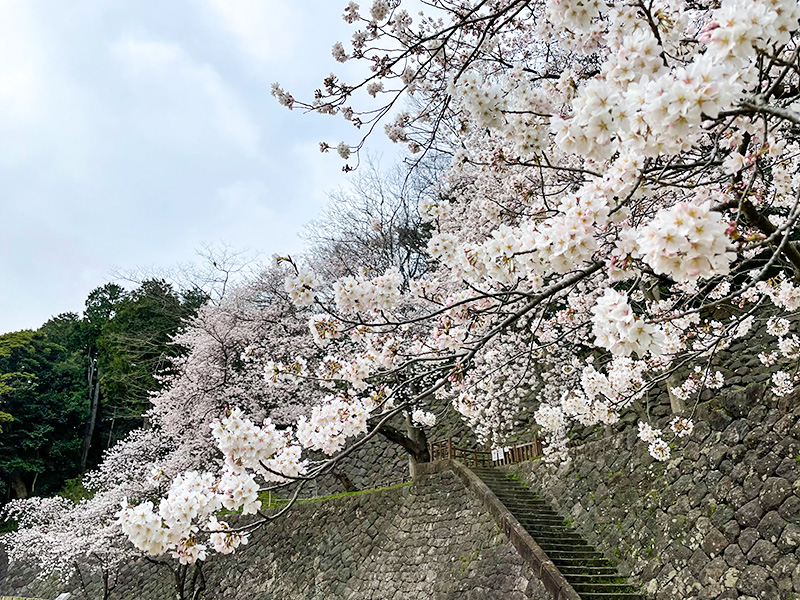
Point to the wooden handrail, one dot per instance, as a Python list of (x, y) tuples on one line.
[(446, 450)]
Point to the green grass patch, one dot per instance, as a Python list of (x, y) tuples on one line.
[(467, 560), (356, 493), (273, 501)]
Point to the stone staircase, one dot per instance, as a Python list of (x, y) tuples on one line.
[(591, 575)]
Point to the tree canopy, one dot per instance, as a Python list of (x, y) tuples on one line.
[(75, 371)]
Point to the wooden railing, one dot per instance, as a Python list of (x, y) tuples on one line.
[(519, 453), (472, 457)]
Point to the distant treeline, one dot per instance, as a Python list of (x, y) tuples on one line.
[(80, 382)]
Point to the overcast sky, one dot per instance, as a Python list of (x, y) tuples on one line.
[(131, 132)]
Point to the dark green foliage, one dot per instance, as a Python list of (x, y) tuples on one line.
[(73, 490), (5, 418), (55, 419), (134, 347), (41, 388)]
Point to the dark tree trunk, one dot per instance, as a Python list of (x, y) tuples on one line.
[(415, 442), (179, 573), (342, 477), (198, 581), (419, 439), (94, 401), (19, 486), (189, 588)]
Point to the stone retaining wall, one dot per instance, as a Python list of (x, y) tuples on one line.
[(720, 520), (429, 541), (379, 463)]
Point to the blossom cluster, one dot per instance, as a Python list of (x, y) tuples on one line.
[(687, 241), (301, 288), (331, 423), (619, 330), (261, 449), (658, 448), (194, 498), (360, 294)]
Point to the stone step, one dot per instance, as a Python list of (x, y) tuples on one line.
[(519, 496), (570, 572), (533, 518), (603, 588), (502, 487), (508, 485), (526, 501), (559, 561), (503, 480), (521, 493), (545, 512), (586, 569), (515, 495), (551, 533), (554, 534), (569, 543), (563, 547), (612, 596), (527, 510), (546, 536), (575, 555), (506, 482), (605, 578)]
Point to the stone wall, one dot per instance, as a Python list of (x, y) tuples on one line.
[(430, 541), (378, 463), (720, 520)]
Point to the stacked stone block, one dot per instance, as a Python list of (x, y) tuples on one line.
[(719, 521), (429, 541)]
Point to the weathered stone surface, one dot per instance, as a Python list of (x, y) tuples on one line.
[(735, 557), (431, 540), (728, 518), (750, 514), (715, 542), (763, 553), (747, 539), (752, 580), (790, 509), (790, 538), (771, 526), (774, 492)]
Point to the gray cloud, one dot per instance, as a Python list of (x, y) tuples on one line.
[(130, 133)]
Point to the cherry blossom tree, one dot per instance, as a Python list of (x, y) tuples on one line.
[(374, 223), (74, 543), (82, 544), (621, 204)]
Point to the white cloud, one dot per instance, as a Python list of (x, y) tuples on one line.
[(20, 69), (262, 28), (323, 171), (246, 200), (132, 132), (249, 213), (178, 96)]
